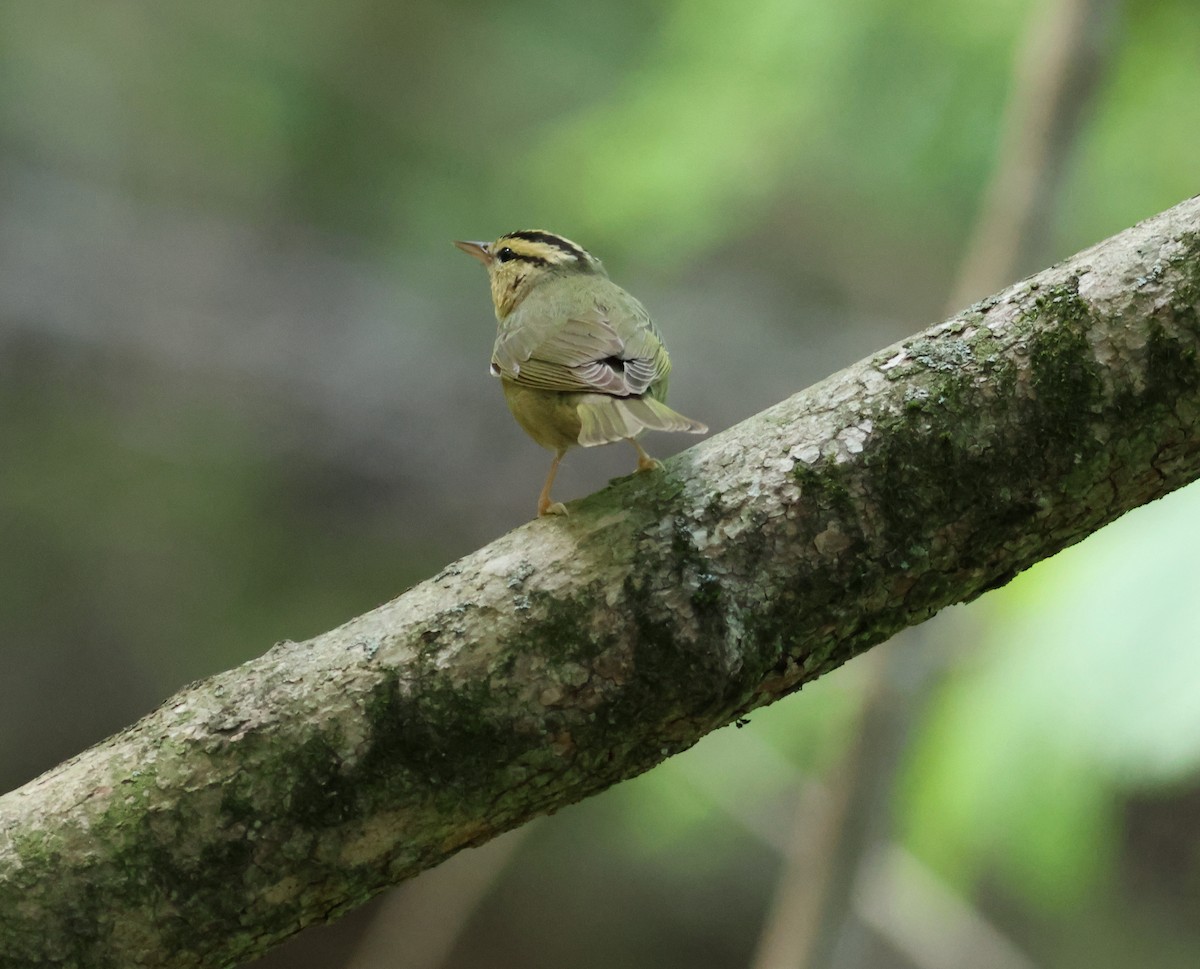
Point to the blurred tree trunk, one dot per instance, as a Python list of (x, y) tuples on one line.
[(1064, 55), (574, 653)]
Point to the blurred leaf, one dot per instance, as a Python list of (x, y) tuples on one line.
[(1084, 685), (740, 106)]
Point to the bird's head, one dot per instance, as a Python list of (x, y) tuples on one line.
[(518, 261)]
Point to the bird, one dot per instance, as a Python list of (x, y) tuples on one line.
[(580, 361)]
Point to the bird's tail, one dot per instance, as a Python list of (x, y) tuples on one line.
[(604, 420)]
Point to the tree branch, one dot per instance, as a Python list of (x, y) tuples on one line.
[(573, 653)]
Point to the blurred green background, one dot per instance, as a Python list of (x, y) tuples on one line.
[(244, 397)]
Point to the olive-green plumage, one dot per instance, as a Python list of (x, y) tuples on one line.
[(579, 359)]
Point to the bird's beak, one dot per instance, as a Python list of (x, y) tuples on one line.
[(477, 249)]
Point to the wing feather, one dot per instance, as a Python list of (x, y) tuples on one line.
[(610, 348)]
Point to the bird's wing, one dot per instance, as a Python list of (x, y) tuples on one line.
[(607, 349)]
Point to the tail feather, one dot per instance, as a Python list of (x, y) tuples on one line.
[(604, 420)]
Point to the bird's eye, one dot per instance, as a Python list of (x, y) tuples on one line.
[(505, 254)]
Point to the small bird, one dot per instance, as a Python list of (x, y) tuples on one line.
[(579, 359)]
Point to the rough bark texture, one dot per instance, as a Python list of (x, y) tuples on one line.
[(573, 653)]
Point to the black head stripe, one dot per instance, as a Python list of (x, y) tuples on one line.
[(505, 254), (550, 239)]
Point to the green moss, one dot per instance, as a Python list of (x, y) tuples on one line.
[(154, 847), (714, 508), (709, 595), (442, 734), (320, 792), (916, 399), (657, 694), (1171, 368), (823, 484), (915, 455), (939, 434), (824, 598), (1063, 371), (560, 634), (691, 570), (1186, 265)]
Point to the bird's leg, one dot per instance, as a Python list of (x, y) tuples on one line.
[(645, 462), (545, 505)]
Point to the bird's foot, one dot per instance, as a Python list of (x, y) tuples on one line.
[(551, 508), (645, 462)]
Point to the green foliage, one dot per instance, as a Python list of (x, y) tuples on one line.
[(1081, 687), (737, 105), (663, 130)]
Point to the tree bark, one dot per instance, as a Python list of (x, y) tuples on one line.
[(575, 652)]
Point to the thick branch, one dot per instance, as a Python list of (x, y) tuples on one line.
[(573, 653)]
